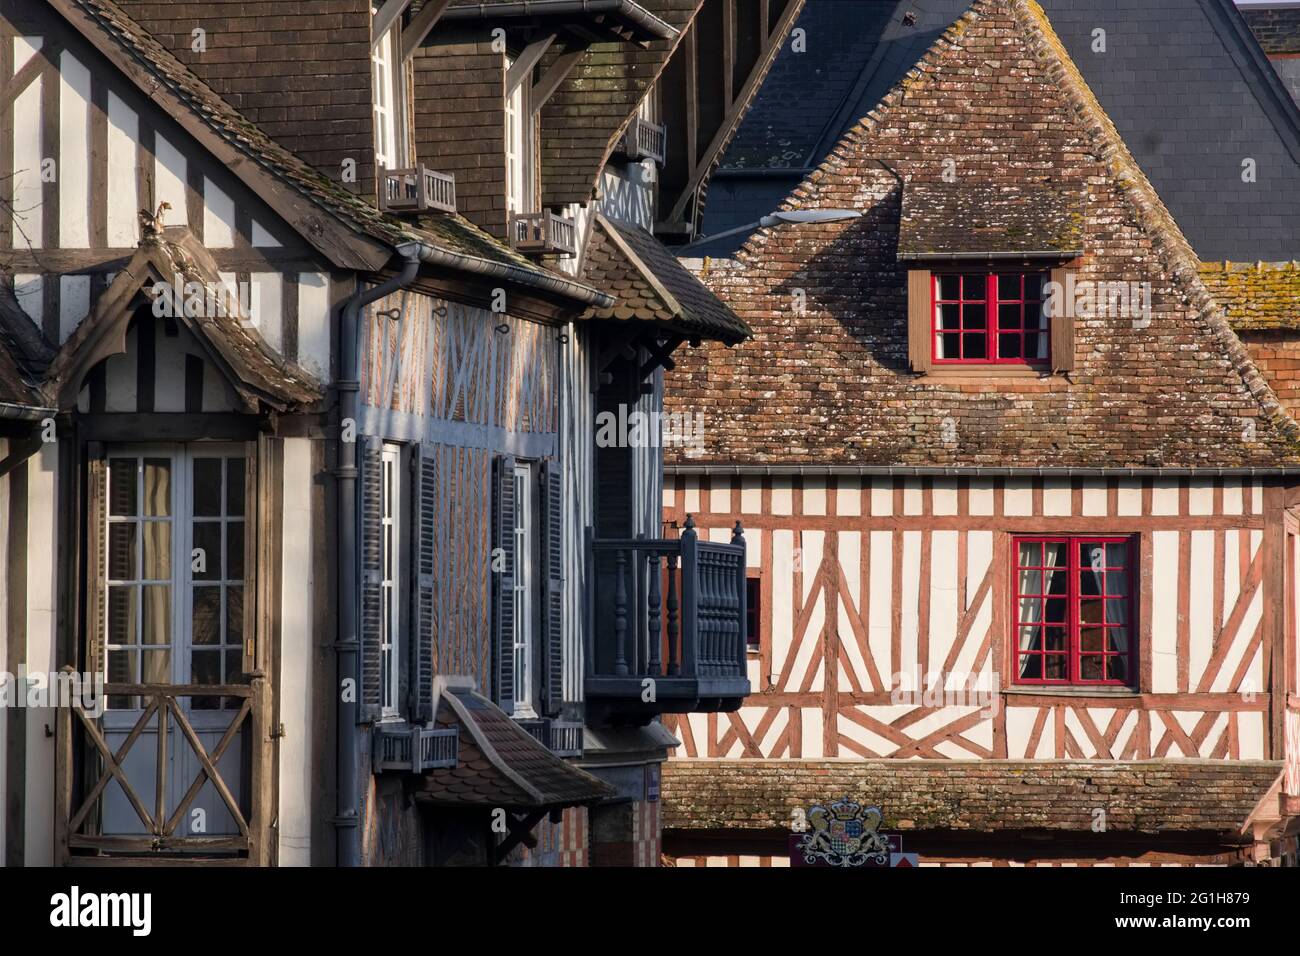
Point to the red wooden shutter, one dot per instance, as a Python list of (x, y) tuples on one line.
[(1062, 327), (920, 319)]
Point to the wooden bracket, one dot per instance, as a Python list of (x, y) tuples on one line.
[(519, 830), (522, 68), (556, 74), (623, 346), (661, 355), (422, 26)]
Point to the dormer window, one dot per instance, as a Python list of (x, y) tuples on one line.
[(989, 318), (389, 100)]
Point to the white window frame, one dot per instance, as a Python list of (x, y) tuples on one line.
[(525, 479), (519, 151), (391, 583), (388, 100), (181, 519)]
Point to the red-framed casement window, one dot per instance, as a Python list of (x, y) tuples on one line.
[(1073, 610), (989, 318)]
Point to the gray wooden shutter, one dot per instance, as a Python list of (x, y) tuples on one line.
[(553, 601), (425, 497), (1062, 328), (503, 580), (372, 570), (920, 320), (96, 586)]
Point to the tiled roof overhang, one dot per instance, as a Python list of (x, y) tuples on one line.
[(499, 764), (651, 285), (983, 796), (980, 220)]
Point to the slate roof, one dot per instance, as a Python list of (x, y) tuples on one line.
[(1257, 295), (499, 764), (830, 384), (969, 218), (174, 83), (977, 795), (1182, 80), (255, 370), (651, 285)]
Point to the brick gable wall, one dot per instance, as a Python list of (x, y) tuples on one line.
[(997, 96)]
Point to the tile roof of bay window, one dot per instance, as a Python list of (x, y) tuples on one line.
[(970, 218), (651, 285)]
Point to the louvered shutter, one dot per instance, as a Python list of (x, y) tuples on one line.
[(425, 497), (553, 606), (1062, 327), (503, 579), (96, 579), (920, 320), (372, 570)]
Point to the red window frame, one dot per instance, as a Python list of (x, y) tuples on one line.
[(1074, 652), (753, 612), (986, 291)]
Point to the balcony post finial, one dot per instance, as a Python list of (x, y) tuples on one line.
[(738, 534), (689, 527)]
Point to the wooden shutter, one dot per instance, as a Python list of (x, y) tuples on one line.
[(425, 497), (553, 600), (372, 570), (920, 319), (96, 588), (503, 580), (1062, 328)]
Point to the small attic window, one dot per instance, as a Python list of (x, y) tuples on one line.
[(989, 318)]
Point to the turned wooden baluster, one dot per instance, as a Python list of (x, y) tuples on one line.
[(674, 661), (620, 613), (736, 659), (654, 630)]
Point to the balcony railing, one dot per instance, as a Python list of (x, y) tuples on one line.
[(122, 801), (645, 140), (562, 737), (670, 630), (414, 749), (416, 190), (544, 233)]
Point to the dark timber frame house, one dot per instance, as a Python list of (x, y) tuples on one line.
[(299, 399)]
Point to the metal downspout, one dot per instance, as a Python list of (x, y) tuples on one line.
[(346, 818)]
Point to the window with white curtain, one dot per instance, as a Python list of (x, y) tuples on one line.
[(1074, 611), (389, 102)]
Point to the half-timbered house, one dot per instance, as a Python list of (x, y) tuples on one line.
[(311, 317), (1020, 505)]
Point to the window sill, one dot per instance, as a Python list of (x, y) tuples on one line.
[(1074, 690), (982, 372)]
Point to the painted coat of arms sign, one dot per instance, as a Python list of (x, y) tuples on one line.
[(843, 833)]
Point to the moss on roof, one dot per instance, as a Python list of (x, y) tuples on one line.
[(1256, 295)]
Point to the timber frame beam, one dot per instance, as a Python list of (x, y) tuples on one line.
[(701, 82), (421, 26)]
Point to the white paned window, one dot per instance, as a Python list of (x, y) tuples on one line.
[(519, 174), (175, 569), (391, 583), (388, 100)]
